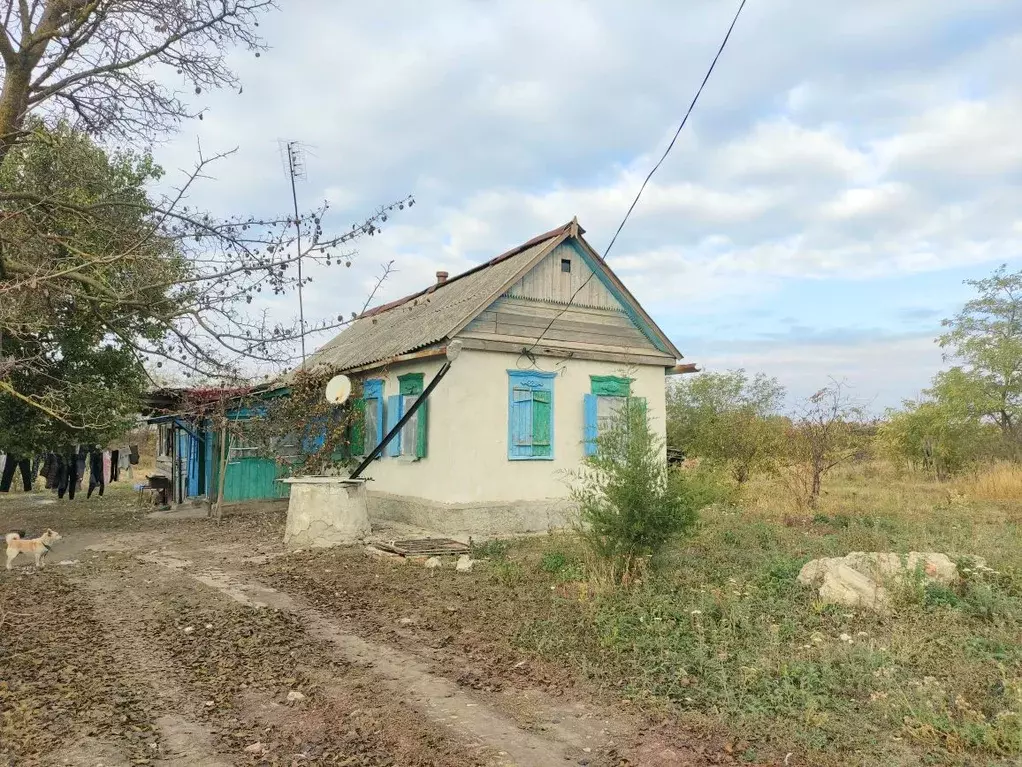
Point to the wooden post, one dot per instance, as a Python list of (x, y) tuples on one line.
[(223, 473)]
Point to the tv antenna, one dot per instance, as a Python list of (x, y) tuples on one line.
[(294, 163)]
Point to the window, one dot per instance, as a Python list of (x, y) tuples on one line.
[(530, 416), (411, 441), (566, 265), (608, 397), (372, 394), (165, 440)]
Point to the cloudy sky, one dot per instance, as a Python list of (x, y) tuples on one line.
[(848, 166)]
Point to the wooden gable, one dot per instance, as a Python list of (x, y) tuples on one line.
[(595, 320)]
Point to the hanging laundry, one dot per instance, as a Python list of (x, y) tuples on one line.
[(67, 475), (96, 471)]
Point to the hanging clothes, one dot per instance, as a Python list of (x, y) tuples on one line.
[(96, 472), (67, 475), (12, 464), (124, 461), (115, 465), (106, 465), (133, 455), (80, 460), (3, 461), (50, 470)]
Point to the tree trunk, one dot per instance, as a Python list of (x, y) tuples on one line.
[(13, 106), (814, 490), (223, 474)]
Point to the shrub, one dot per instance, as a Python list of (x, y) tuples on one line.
[(630, 505)]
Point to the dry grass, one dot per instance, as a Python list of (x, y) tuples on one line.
[(1000, 482)]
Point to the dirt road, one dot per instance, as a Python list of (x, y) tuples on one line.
[(163, 642)]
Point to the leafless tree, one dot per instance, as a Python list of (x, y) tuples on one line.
[(822, 435), (108, 64)]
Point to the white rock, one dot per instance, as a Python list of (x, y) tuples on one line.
[(295, 697), (406, 621), (189, 629), (255, 748), (68, 562), (433, 563), (465, 563), (859, 578), (209, 625)]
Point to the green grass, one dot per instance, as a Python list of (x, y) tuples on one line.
[(724, 630)]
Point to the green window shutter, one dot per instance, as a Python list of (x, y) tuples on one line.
[(541, 411), (410, 383), (356, 427), (421, 440), (610, 386)]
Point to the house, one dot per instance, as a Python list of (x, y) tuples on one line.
[(552, 342), (188, 447)]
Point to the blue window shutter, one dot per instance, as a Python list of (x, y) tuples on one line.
[(589, 422), (421, 436), (393, 416), (520, 415)]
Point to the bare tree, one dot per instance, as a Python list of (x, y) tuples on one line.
[(83, 245), (822, 436), (107, 63)]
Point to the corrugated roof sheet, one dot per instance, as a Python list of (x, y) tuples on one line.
[(426, 317)]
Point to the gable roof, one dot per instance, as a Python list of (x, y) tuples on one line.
[(431, 315)]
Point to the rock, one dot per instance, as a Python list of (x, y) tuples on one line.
[(433, 563), (465, 563), (255, 748), (295, 697), (858, 579), (68, 562), (189, 629), (406, 621)]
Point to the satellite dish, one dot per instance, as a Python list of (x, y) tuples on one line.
[(338, 389)]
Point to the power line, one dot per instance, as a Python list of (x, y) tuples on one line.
[(642, 188)]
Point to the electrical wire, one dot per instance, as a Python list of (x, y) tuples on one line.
[(527, 352)]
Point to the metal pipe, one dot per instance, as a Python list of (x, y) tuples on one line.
[(403, 420)]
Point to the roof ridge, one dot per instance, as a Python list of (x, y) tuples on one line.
[(382, 308)]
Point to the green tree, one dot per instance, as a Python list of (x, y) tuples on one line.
[(728, 418), (937, 435), (80, 376), (985, 340), (630, 504)]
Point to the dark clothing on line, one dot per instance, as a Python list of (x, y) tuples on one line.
[(95, 472), (12, 463)]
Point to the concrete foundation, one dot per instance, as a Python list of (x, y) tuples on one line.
[(479, 519), (326, 511)]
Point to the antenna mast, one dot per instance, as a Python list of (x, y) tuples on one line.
[(296, 170)]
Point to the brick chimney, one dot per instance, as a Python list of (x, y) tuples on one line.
[(441, 278)]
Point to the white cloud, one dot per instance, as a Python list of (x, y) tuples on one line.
[(835, 142)]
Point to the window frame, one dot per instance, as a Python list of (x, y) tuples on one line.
[(532, 380), (409, 385), (602, 387)]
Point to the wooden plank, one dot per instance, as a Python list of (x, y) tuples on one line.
[(629, 332), (575, 313), (547, 282), (638, 342), (518, 341), (514, 346)]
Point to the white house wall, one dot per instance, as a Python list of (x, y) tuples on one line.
[(467, 453)]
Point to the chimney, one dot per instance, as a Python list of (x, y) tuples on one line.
[(441, 278)]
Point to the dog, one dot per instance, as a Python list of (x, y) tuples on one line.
[(39, 547)]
